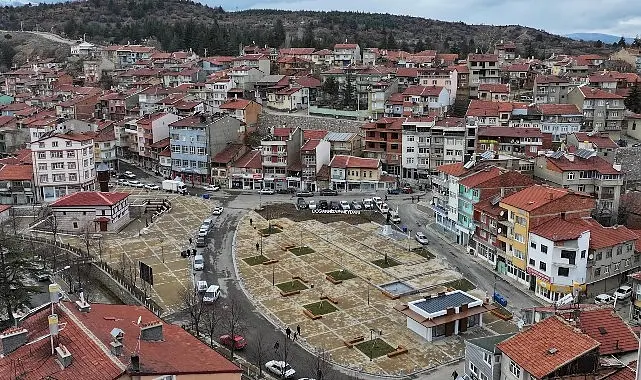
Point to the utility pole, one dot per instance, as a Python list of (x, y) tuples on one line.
[(21, 28)]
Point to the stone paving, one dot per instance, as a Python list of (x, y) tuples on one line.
[(158, 245), (361, 304)]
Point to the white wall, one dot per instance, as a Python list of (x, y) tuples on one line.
[(322, 154), (160, 126), (553, 258)]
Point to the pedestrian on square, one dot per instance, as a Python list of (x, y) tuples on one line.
[(288, 332), (257, 246), (190, 241), (295, 336), (251, 222), (298, 329)]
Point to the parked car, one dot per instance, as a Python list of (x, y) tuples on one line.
[(326, 192), (623, 292), (603, 299), (345, 205), (407, 190), (368, 203), (217, 210), (282, 191), (135, 183), (199, 262), (311, 205), (266, 191), (201, 286), (636, 145), (212, 188), (300, 202), (334, 205), (152, 186), (383, 208), (123, 182), (377, 201), (280, 368), (356, 205), (323, 205), (421, 238), (238, 342), (129, 175), (304, 194), (393, 191)]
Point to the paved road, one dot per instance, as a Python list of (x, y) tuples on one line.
[(46, 35)]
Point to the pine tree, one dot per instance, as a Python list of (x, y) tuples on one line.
[(621, 42), (633, 101)]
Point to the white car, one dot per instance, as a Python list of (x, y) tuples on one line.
[(152, 186), (312, 205), (123, 182), (356, 205), (280, 368), (199, 262), (603, 299), (266, 191), (130, 175), (421, 238), (217, 210), (383, 208), (623, 292), (212, 188), (345, 205), (135, 183)]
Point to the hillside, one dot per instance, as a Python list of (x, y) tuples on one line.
[(182, 24)]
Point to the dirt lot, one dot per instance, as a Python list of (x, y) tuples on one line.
[(289, 211)]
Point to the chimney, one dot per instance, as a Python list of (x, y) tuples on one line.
[(135, 363), (13, 339), (151, 332), (64, 356), (115, 348)]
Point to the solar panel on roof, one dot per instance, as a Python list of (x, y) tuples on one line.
[(584, 153), (556, 155), (487, 155), (494, 201), (444, 302)]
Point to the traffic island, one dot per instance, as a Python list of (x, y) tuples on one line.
[(338, 276), (270, 230), (317, 309), (423, 252), (256, 260), (290, 287), (301, 251), (375, 348), (383, 263)]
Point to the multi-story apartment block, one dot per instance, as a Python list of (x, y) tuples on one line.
[(425, 101), (520, 142), (439, 77), (124, 56), (551, 89), (350, 173), (244, 110), (344, 143), (151, 129), (313, 155), (247, 172), (525, 210), (564, 254), (602, 111), (371, 56), (494, 92), (506, 51), (604, 81), (559, 120), (417, 133), (246, 77), (16, 179), (445, 194), (63, 164), (280, 155), (602, 144), (346, 54), (383, 141), (585, 172), (482, 358), (629, 55), (196, 140), (255, 61), (518, 75), (149, 98), (105, 147), (484, 68)]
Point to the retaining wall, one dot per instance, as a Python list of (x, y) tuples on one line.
[(268, 121)]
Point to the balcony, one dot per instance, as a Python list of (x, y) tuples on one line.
[(607, 196)]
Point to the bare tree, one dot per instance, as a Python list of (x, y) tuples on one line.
[(51, 223), (193, 304), (261, 346), (233, 321), (87, 235), (321, 365), (210, 321)]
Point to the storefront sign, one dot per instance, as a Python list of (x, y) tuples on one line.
[(347, 212), (537, 274)]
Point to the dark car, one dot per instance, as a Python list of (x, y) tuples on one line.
[(282, 191), (323, 205), (334, 205), (327, 192), (408, 190), (304, 194), (300, 202), (393, 191)]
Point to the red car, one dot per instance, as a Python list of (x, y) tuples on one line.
[(238, 341), (407, 190)]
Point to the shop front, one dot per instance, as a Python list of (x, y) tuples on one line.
[(246, 181)]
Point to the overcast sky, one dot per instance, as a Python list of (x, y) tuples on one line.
[(618, 17)]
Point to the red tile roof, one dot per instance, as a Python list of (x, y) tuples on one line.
[(607, 328), (315, 134), (456, 169), (235, 104), (310, 145), (625, 373), (596, 93), (423, 91), (637, 245), (343, 162), (547, 346), (308, 82), (407, 72), (345, 46), (547, 79), (483, 58), (160, 143), (534, 197), (558, 109), (518, 67), (227, 155), (187, 122), (495, 88), (90, 198), (282, 132), (23, 156), (598, 140), (251, 160), (16, 173), (559, 229), (603, 237), (479, 177), (597, 163)]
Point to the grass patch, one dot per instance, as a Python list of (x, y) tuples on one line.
[(291, 286), (321, 308), (374, 348), (300, 251), (270, 230), (255, 260), (341, 275), (460, 284), (423, 252), (381, 263)]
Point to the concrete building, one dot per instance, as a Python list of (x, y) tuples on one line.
[(346, 54), (92, 211), (560, 120), (63, 164), (349, 173), (602, 111), (482, 358), (16, 180), (151, 129), (551, 89), (602, 144), (246, 111), (425, 101), (439, 77), (444, 314), (344, 143), (444, 194), (383, 141), (520, 142), (494, 92), (105, 144), (484, 68), (216, 93), (280, 153), (196, 140), (313, 155), (629, 55), (247, 172), (585, 172), (255, 61)]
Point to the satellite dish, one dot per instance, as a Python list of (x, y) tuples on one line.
[(502, 213), (590, 256), (139, 320)]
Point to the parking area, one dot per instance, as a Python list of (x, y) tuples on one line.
[(355, 270), (157, 244)]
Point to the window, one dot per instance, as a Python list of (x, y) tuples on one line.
[(71, 154), (542, 266), (410, 138), (570, 176), (42, 155), (597, 272), (608, 253), (56, 154), (73, 177), (44, 178), (42, 166), (58, 165), (599, 256), (54, 144), (532, 262), (438, 330), (71, 165), (69, 143), (487, 358), (617, 266), (606, 269), (619, 250), (75, 224), (544, 249), (59, 178), (570, 255), (518, 237), (583, 254), (563, 271), (515, 369), (201, 151), (532, 245)]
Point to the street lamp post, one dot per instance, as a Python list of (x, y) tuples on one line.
[(409, 239), (273, 274), (368, 279)]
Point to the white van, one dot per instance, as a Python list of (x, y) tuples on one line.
[(377, 201), (207, 224), (383, 208), (368, 204), (199, 262), (201, 286), (212, 293), (394, 218)]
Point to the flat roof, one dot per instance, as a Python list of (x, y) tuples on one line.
[(444, 302)]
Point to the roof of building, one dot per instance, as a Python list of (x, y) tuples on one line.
[(227, 155), (297, 51), (188, 122), (534, 197), (597, 163), (488, 343), (89, 198), (547, 79), (339, 136), (625, 373), (598, 140), (455, 169), (483, 57), (480, 176), (250, 160), (235, 104), (547, 346), (23, 156), (282, 132), (518, 67), (558, 109), (18, 172), (444, 301), (343, 161), (604, 237), (345, 46), (559, 229), (308, 82), (495, 88), (310, 145), (597, 93), (423, 91), (607, 328), (315, 134), (510, 132)]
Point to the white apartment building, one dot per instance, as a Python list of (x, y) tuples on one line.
[(440, 78), (416, 147), (216, 90), (63, 164)]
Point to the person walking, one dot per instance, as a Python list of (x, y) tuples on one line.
[(190, 241), (298, 329), (288, 332), (251, 222), (295, 336)]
